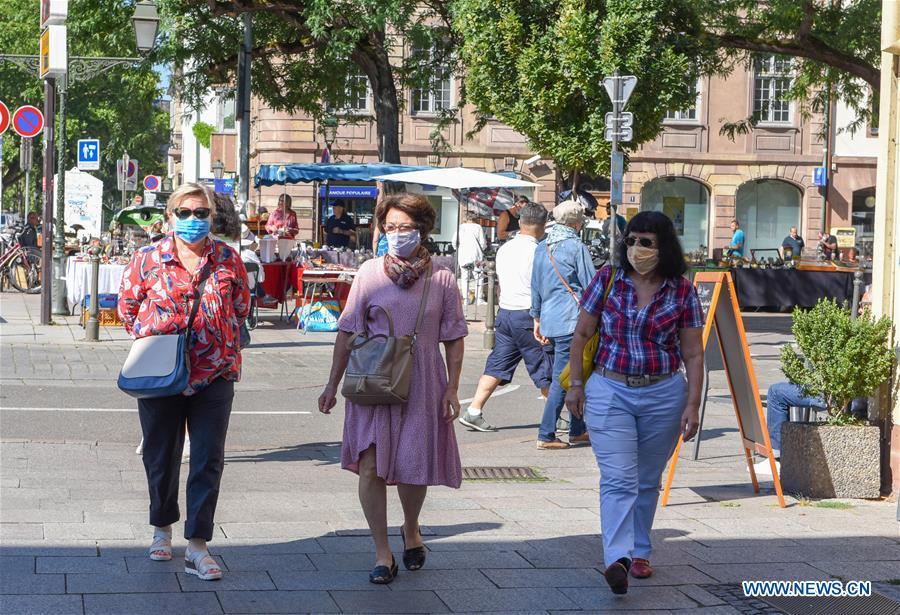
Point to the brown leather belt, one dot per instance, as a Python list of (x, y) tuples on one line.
[(635, 381)]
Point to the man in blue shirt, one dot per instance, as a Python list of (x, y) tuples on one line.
[(737, 239), (561, 271)]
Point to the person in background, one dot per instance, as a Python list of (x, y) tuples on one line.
[(248, 251), (470, 245), (226, 224), (156, 231), (283, 221), (829, 245), (339, 227), (637, 402), (379, 241), (29, 235), (620, 221), (515, 339), (736, 247), (159, 288), (562, 270), (138, 201), (411, 445), (508, 222), (794, 242)]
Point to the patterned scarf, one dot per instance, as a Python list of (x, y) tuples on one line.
[(559, 233), (404, 272)]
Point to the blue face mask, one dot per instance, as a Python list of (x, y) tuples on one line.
[(402, 245), (192, 230)]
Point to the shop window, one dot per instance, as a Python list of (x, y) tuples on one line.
[(685, 202), (766, 210), (439, 95), (690, 114), (863, 219), (771, 83)]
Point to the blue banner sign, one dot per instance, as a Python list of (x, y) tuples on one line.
[(349, 192)]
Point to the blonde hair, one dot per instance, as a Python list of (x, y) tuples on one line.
[(189, 189)]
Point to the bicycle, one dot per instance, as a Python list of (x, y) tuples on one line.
[(20, 266)]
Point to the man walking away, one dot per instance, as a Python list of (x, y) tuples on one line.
[(515, 339), (562, 270)]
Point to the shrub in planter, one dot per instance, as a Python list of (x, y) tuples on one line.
[(840, 359)]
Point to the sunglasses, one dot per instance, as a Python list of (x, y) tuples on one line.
[(644, 242), (201, 213)]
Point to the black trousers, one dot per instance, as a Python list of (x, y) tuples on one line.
[(163, 422)]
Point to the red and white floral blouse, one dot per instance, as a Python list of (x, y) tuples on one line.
[(157, 295)]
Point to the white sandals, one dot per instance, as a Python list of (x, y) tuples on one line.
[(202, 565), (161, 547)]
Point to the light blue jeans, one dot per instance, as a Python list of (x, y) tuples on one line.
[(633, 434)]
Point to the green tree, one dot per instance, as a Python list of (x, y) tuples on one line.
[(306, 54), (118, 107), (538, 66), (835, 45)]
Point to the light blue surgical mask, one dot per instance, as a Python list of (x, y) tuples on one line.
[(402, 245), (192, 230)]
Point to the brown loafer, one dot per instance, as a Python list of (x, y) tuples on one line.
[(582, 440), (617, 576), (640, 568)]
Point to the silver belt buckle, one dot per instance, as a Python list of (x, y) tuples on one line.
[(638, 381)]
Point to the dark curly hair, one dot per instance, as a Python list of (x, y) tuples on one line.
[(415, 206), (671, 256), (227, 222)]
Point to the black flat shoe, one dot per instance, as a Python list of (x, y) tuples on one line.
[(382, 575), (413, 559), (617, 576)]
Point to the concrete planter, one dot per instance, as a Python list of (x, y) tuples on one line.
[(830, 461)]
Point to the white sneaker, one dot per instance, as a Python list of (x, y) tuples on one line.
[(762, 467)]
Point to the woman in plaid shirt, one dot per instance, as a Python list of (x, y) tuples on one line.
[(638, 401)]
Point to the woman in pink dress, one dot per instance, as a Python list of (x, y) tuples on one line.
[(410, 445)]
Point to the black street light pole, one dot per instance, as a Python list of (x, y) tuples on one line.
[(243, 113)]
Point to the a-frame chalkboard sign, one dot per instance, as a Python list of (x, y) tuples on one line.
[(720, 305)]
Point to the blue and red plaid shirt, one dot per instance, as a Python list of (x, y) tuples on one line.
[(645, 341)]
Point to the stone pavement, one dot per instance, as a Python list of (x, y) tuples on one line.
[(292, 538)]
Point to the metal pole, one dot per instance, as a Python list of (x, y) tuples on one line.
[(47, 218), (857, 294), (244, 95), (26, 160), (60, 305), (489, 335), (617, 110), (92, 328), (125, 161)]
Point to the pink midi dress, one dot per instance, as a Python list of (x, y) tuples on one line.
[(414, 444)]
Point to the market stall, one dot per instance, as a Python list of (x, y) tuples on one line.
[(78, 280)]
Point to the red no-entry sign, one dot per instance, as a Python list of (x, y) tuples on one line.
[(4, 118), (28, 121)]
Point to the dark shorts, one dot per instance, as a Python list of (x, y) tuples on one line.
[(514, 342)]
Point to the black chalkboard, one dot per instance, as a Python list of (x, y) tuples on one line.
[(723, 324)]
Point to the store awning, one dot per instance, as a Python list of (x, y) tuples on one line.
[(459, 178), (279, 174)]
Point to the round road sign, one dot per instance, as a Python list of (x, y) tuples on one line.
[(4, 118), (28, 121), (132, 168), (151, 183)]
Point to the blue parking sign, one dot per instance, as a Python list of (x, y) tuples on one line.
[(88, 154)]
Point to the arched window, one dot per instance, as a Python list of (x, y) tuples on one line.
[(686, 202), (767, 209)]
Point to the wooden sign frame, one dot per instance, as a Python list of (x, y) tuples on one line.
[(724, 283)]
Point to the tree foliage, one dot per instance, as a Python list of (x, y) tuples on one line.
[(118, 107), (835, 46), (538, 66), (305, 54), (840, 359)]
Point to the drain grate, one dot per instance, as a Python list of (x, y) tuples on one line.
[(501, 473), (876, 604)]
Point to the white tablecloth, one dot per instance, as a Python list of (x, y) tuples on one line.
[(78, 280)]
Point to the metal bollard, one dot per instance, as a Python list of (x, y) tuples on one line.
[(857, 294), (488, 339), (92, 328)]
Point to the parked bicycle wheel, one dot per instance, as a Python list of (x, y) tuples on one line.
[(25, 272)]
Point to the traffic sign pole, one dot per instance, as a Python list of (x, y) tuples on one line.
[(60, 302), (124, 180), (47, 218), (619, 127), (613, 205)]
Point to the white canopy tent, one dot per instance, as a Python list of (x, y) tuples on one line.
[(457, 178)]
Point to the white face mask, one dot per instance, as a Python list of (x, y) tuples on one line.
[(402, 245)]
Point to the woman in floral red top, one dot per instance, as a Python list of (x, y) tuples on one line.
[(159, 289), (637, 402)]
